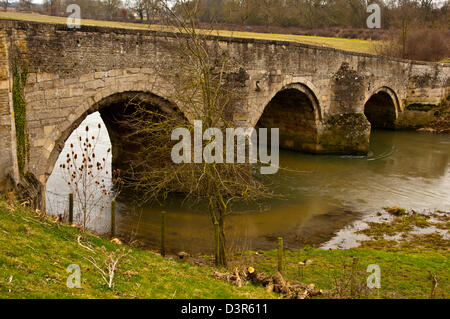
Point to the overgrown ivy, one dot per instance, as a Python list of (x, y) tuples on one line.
[(20, 72)]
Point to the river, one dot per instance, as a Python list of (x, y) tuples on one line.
[(322, 195)]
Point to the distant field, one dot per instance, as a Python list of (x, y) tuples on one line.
[(362, 46)]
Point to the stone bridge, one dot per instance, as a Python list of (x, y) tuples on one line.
[(323, 100)]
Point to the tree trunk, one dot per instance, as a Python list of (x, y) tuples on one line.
[(217, 215), (222, 247), (147, 12)]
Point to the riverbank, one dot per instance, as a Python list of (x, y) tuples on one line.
[(441, 125), (35, 251), (411, 249)]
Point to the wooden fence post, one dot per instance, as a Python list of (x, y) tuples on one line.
[(70, 208), (113, 219), (352, 276), (163, 230), (280, 254)]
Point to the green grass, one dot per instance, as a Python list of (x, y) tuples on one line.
[(362, 46), (404, 272), (35, 253), (405, 264)]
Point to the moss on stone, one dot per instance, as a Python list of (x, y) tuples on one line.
[(421, 107), (20, 72), (395, 210), (346, 134)]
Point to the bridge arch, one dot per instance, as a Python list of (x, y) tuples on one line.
[(295, 110), (382, 108), (148, 89)]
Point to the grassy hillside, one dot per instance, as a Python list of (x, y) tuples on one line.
[(35, 253), (362, 46)]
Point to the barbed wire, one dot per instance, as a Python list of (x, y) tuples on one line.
[(64, 201)]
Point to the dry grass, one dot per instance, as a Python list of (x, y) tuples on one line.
[(362, 46)]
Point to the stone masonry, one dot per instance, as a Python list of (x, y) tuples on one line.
[(71, 71)]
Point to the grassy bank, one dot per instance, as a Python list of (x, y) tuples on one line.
[(354, 45), (410, 250), (35, 252)]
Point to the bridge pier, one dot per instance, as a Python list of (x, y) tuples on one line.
[(345, 134)]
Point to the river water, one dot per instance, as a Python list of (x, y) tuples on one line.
[(322, 195)]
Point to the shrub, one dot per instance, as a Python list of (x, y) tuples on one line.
[(422, 45), (428, 45)]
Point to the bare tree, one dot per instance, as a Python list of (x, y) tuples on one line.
[(151, 8), (25, 4), (5, 4), (202, 89), (86, 175), (138, 6), (107, 263), (111, 7)]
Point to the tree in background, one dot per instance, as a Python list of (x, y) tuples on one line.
[(111, 7), (138, 7), (314, 13), (148, 8), (5, 4), (53, 7), (151, 9), (25, 4), (339, 18), (417, 30)]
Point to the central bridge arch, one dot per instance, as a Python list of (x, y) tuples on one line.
[(295, 110)]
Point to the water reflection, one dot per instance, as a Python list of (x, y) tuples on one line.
[(404, 168)]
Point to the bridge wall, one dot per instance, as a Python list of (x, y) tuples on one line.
[(70, 71)]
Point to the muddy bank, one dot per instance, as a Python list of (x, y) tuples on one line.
[(394, 226), (442, 123)]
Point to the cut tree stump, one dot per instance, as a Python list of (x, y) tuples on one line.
[(276, 283)]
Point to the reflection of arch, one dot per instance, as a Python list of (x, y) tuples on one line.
[(296, 112), (112, 111), (382, 108)]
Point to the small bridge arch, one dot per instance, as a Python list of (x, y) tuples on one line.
[(382, 108)]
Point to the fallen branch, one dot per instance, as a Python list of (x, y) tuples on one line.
[(110, 264), (275, 283), (434, 284), (85, 247)]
